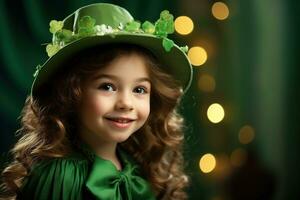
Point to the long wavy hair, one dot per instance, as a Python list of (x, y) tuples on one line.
[(48, 123)]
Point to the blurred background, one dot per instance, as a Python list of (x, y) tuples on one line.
[(242, 111)]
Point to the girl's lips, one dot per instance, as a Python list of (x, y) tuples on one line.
[(120, 119), (120, 122)]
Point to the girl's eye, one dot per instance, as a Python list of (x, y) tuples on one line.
[(140, 90), (107, 87)]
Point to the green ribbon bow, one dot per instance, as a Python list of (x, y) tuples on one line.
[(106, 182)]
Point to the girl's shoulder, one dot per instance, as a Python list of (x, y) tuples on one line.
[(78, 159), (67, 163), (55, 177)]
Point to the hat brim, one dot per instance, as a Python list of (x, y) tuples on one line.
[(174, 62)]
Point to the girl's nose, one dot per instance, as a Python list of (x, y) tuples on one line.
[(124, 101)]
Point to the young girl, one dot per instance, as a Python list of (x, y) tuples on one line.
[(101, 120)]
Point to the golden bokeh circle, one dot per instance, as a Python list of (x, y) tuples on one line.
[(184, 25)]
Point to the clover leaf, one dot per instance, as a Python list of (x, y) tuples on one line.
[(84, 32), (52, 49), (87, 22), (167, 44), (55, 26), (165, 24), (133, 26), (148, 27), (63, 35), (184, 48), (86, 26), (166, 15)]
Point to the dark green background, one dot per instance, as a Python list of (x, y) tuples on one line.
[(254, 60)]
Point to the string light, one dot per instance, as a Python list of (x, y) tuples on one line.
[(220, 10), (238, 157), (215, 113), (184, 25), (246, 134), (207, 163), (223, 168), (206, 83), (197, 56)]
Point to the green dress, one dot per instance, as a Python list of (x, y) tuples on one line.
[(84, 175)]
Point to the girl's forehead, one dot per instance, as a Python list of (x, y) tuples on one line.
[(130, 66), (134, 63)]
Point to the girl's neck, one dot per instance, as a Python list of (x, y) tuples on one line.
[(107, 151)]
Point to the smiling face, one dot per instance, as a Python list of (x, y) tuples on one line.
[(116, 101)]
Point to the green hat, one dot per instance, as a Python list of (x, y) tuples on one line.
[(103, 23)]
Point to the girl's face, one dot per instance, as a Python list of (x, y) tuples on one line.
[(116, 101)]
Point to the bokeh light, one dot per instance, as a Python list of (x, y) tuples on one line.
[(215, 113), (184, 25), (206, 83), (246, 134), (223, 168), (197, 56), (238, 157), (220, 10), (207, 163)]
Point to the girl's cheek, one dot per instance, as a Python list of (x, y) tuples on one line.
[(98, 104), (144, 107)]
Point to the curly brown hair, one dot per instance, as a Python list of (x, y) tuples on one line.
[(49, 118)]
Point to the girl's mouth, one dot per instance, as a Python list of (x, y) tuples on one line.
[(120, 122), (120, 119)]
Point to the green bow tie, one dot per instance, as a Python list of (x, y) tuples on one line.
[(105, 182)]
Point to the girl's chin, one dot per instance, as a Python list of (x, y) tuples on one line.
[(121, 139)]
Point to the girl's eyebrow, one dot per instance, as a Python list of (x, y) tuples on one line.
[(110, 76)]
